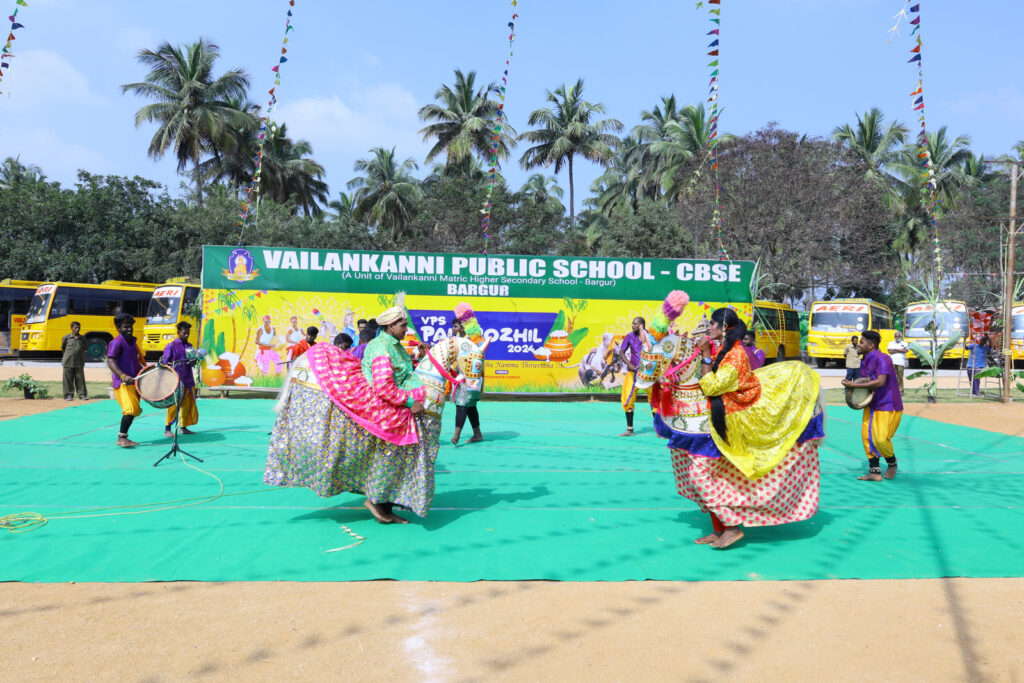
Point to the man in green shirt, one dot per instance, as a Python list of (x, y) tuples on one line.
[(73, 362)]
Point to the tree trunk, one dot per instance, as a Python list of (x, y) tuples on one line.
[(572, 197)]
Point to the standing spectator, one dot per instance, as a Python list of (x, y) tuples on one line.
[(73, 362), (755, 354), (852, 354), (898, 352), (976, 362)]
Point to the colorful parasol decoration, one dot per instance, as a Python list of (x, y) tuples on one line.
[(252, 192), (715, 16), (929, 185), (7, 53), (464, 314), (499, 124), (671, 309)]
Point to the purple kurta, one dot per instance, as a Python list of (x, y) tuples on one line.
[(176, 355), (126, 354), (887, 397), (631, 343)]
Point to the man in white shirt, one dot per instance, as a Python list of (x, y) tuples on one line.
[(898, 352)]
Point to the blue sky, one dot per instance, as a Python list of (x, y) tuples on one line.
[(358, 71)]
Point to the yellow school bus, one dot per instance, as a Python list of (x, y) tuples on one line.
[(15, 297), (58, 304), (166, 311), (832, 323), (950, 317), (778, 330)]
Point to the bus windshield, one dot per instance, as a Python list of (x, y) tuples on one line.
[(37, 309), (1018, 325), (163, 307), (948, 322), (829, 321)]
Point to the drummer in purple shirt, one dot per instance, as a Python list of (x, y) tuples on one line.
[(755, 354), (124, 358), (180, 356), (882, 416)]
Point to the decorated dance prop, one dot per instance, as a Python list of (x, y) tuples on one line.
[(500, 123), (859, 398), (671, 309), (441, 362), (7, 53), (252, 192)]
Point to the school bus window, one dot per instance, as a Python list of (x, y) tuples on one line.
[(792, 320), (766, 318), (37, 309)]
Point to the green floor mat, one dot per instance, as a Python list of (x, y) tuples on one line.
[(552, 493)]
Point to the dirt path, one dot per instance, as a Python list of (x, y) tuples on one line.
[(926, 630)]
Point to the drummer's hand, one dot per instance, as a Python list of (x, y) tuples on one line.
[(847, 383), (416, 408), (128, 381)]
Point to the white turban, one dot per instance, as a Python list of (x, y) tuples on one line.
[(391, 315)]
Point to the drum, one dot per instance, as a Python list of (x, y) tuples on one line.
[(159, 386), (859, 398), (652, 365)]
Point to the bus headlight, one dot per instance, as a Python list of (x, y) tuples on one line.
[(168, 337), (814, 344)]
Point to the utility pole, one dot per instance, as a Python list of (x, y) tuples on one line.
[(1008, 285)]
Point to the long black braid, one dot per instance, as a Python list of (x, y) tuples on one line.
[(734, 331)]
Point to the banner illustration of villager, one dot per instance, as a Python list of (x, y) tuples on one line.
[(555, 323)]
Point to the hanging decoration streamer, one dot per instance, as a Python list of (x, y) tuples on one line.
[(8, 52), (715, 15), (929, 187), (499, 125), (252, 192)]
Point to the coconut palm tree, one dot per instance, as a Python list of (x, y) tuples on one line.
[(193, 109), (949, 157), (343, 207), (544, 190), (463, 123), (567, 131), (685, 147), (386, 194), (288, 173), (872, 141), (14, 173), (234, 163)]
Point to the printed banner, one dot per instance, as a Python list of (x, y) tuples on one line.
[(555, 323)]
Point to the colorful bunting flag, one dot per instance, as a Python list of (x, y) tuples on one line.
[(712, 157), (15, 25), (251, 193), (499, 121), (929, 188)]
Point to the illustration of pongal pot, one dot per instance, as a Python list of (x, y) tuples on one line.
[(559, 347)]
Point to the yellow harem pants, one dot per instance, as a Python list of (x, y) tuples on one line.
[(877, 428), (628, 397), (127, 396), (189, 411)]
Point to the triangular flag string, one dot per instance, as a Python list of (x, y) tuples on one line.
[(251, 194), (929, 183), (712, 156), (6, 52), (499, 123)]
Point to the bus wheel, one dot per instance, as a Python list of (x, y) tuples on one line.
[(820, 362), (96, 347), (780, 354)]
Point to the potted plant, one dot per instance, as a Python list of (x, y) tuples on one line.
[(30, 387)]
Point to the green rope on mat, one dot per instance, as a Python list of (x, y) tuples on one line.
[(21, 522)]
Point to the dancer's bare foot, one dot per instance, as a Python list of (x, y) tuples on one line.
[(871, 476), (455, 437), (628, 432), (125, 442), (396, 519), (168, 433), (728, 537), (890, 472), (710, 538), (186, 430), (476, 437), (377, 512)]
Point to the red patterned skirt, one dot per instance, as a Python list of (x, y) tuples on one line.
[(789, 493)]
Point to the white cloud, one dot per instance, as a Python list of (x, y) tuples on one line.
[(59, 158), (382, 115), (42, 77), (370, 59)]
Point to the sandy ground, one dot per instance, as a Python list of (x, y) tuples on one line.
[(935, 630), (925, 630)]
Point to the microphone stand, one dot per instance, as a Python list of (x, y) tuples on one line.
[(175, 448)]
